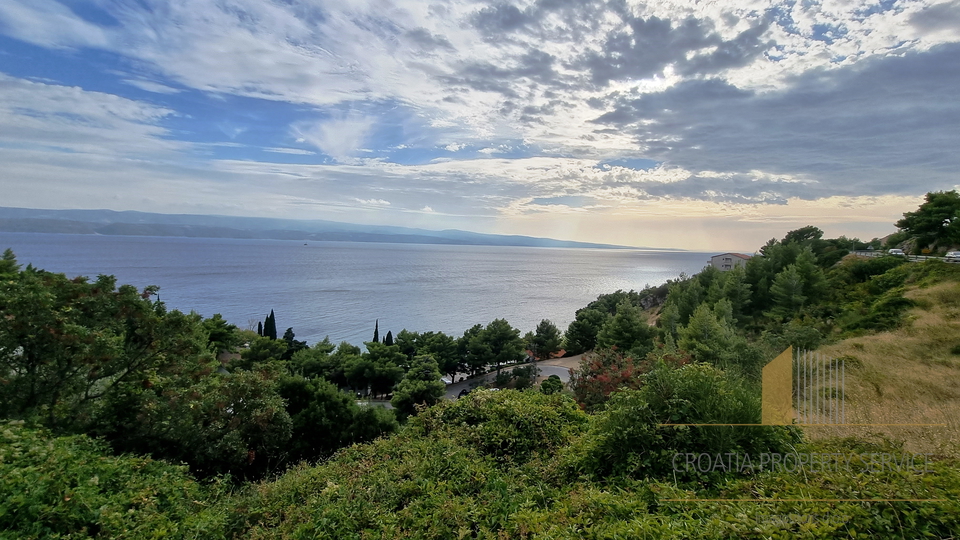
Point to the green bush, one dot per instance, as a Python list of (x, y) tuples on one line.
[(508, 425), (630, 438), (71, 487), (551, 385)]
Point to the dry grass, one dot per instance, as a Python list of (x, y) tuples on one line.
[(906, 376)]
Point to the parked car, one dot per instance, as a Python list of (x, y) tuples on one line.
[(952, 256), (895, 251)]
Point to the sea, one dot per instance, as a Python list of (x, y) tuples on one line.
[(341, 289)]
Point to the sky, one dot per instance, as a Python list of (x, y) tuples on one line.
[(682, 124)]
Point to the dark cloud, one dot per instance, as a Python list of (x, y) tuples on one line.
[(938, 17), (645, 46), (502, 18), (734, 53), (883, 127), (535, 66), (427, 41)]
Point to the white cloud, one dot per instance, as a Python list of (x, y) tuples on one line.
[(151, 86), (294, 151), (35, 114), (373, 202), (340, 138), (50, 24)]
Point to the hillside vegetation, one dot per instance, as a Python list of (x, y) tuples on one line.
[(122, 423)]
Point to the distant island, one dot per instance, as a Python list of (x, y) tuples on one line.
[(130, 223)]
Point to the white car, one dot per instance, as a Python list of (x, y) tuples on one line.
[(952, 256), (895, 251)]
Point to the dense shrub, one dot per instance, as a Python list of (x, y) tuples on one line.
[(508, 425), (71, 487), (629, 436)]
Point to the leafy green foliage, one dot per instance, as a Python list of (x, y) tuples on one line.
[(219, 424), (507, 425), (551, 385), (581, 335), (325, 419), (420, 386), (71, 487), (222, 335), (66, 345), (629, 436), (627, 331), (936, 222), (262, 352), (546, 340)]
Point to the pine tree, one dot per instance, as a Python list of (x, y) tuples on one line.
[(547, 340), (787, 293), (376, 331), (626, 330)]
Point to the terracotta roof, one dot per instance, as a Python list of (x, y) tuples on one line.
[(741, 255)]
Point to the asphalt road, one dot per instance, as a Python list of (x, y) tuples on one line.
[(545, 371)]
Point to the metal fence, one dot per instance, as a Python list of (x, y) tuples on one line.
[(819, 396), (873, 253)]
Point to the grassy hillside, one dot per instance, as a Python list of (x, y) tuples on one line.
[(908, 375)]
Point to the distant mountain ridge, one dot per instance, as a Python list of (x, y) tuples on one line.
[(132, 223)]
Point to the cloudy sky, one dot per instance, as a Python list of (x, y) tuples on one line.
[(674, 123)]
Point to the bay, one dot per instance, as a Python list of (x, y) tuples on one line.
[(338, 289)]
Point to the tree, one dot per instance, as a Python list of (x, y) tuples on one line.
[(260, 328), (443, 349), (384, 365), (235, 424), (706, 337), (388, 339), (223, 336), (937, 221), (408, 343), (319, 362), (420, 386), (803, 235), (325, 419), (787, 293), (546, 340), (581, 335), (376, 331), (503, 343), (67, 344), (8, 263), (814, 282), (474, 350), (262, 351), (270, 326), (627, 331), (293, 345)]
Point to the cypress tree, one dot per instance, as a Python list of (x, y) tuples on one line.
[(260, 328), (388, 339), (376, 331), (270, 326)]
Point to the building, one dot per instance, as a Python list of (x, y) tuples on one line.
[(729, 261)]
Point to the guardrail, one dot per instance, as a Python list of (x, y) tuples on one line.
[(879, 253)]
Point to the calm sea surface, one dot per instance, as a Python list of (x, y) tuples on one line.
[(340, 288)]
